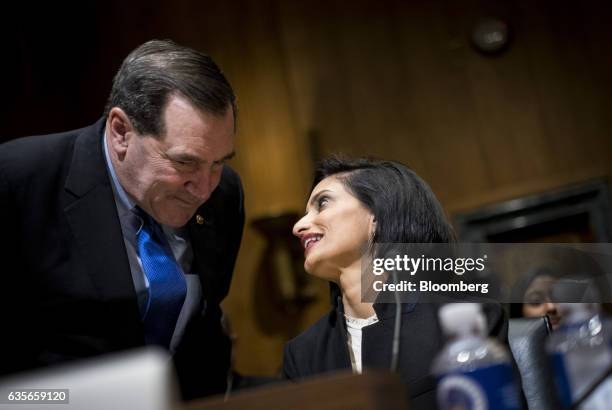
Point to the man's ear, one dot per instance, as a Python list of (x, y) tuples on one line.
[(119, 130)]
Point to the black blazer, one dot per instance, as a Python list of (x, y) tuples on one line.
[(323, 347), (66, 290)]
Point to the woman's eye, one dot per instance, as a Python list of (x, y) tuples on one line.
[(535, 299), (322, 202)]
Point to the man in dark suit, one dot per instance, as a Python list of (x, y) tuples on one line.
[(125, 233)]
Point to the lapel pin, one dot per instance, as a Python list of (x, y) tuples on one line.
[(199, 219)]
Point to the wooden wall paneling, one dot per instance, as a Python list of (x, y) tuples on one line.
[(513, 145), (348, 80), (591, 86), (524, 188), (310, 68), (441, 104), (357, 35), (275, 151), (550, 52), (318, 68), (599, 51), (376, 86)]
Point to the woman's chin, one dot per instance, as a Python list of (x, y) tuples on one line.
[(322, 271), (312, 262), (310, 267)]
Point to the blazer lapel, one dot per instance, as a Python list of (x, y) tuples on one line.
[(92, 216), (340, 357)]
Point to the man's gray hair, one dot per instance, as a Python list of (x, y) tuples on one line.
[(158, 69)]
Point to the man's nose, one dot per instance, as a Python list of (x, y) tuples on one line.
[(202, 184)]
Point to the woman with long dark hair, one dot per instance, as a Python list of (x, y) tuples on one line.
[(354, 204)]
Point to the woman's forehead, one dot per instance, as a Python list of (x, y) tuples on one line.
[(331, 184), (326, 183), (541, 281)]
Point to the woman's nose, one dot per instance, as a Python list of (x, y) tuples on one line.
[(551, 307), (300, 226)]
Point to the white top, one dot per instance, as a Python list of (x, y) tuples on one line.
[(354, 326)]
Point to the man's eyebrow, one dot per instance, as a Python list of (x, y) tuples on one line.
[(228, 157), (186, 157), (183, 156)]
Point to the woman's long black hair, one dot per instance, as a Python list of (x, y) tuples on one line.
[(404, 207)]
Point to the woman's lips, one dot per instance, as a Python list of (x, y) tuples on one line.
[(309, 241)]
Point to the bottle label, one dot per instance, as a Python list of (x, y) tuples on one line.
[(485, 388), (564, 391), (574, 374)]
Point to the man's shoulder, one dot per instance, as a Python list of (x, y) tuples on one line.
[(229, 194), (230, 181), (36, 155)]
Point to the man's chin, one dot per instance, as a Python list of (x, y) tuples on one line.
[(175, 220)]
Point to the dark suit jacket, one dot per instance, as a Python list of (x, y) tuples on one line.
[(66, 290), (323, 347)]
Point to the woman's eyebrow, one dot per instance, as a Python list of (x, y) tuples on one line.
[(535, 293), (315, 198)]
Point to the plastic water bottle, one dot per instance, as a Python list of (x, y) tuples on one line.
[(474, 373), (581, 352)]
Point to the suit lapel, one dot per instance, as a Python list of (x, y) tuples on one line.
[(92, 216), (207, 251)]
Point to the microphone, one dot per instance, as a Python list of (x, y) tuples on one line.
[(396, 327)]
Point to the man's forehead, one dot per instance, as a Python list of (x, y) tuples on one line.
[(201, 152), (179, 107)]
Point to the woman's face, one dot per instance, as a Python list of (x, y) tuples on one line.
[(335, 230), (538, 300)]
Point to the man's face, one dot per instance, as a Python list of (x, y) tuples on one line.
[(172, 175)]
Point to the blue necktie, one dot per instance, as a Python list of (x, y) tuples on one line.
[(167, 286)]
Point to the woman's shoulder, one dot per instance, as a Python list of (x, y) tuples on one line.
[(318, 349), (316, 332)]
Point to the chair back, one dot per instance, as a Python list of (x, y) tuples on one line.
[(527, 338)]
